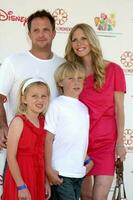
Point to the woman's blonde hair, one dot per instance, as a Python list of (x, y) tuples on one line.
[(68, 69), (98, 62), (21, 106)]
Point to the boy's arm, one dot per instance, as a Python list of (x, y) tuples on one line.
[(53, 175)]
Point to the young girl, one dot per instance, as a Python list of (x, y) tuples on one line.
[(25, 176), (67, 125)]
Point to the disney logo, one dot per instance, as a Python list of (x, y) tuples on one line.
[(9, 16)]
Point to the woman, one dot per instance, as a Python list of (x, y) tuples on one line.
[(103, 93)]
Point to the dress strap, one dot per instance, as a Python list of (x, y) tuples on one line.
[(42, 121), (22, 116)]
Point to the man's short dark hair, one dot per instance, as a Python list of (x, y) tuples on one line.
[(41, 14)]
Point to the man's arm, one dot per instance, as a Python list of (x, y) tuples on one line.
[(3, 123)]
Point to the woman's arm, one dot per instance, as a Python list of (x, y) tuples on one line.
[(120, 120)]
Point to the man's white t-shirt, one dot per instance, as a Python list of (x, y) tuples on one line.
[(68, 119), (21, 66)]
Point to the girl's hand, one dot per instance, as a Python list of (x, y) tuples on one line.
[(24, 194), (47, 190)]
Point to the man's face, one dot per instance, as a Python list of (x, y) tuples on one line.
[(41, 33)]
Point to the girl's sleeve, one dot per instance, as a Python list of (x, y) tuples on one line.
[(120, 82)]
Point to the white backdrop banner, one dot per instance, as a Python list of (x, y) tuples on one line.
[(113, 23)]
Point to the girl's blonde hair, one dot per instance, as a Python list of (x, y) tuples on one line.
[(21, 106), (98, 62), (68, 69)]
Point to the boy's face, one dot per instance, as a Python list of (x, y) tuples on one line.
[(72, 85)]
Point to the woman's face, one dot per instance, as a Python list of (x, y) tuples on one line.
[(80, 44)]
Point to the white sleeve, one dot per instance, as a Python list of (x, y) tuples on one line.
[(6, 77), (51, 118)]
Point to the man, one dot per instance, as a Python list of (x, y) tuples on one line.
[(40, 61)]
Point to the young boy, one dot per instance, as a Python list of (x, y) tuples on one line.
[(67, 125)]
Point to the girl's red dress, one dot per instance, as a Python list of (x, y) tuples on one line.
[(30, 157), (103, 129)]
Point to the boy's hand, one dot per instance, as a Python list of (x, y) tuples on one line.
[(88, 163), (53, 177), (89, 166)]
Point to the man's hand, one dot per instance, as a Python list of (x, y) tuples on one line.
[(3, 123), (3, 135)]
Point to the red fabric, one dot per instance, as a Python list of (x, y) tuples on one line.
[(30, 156), (103, 132)]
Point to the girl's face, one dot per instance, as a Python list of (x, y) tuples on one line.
[(80, 44), (37, 98), (72, 85)]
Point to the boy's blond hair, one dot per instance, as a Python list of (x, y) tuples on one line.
[(68, 69)]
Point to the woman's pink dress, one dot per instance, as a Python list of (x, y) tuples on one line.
[(30, 157), (103, 130)]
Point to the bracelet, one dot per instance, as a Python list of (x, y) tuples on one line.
[(22, 187), (87, 161)]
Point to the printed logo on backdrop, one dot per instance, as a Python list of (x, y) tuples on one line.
[(128, 140), (127, 62), (105, 25), (61, 17), (11, 17)]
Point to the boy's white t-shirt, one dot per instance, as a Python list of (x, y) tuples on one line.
[(21, 66), (67, 118)]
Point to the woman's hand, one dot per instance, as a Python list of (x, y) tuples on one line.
[(121, 152)]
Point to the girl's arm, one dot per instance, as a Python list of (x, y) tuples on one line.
[(14, 133), (119, 110), (53, 175)]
